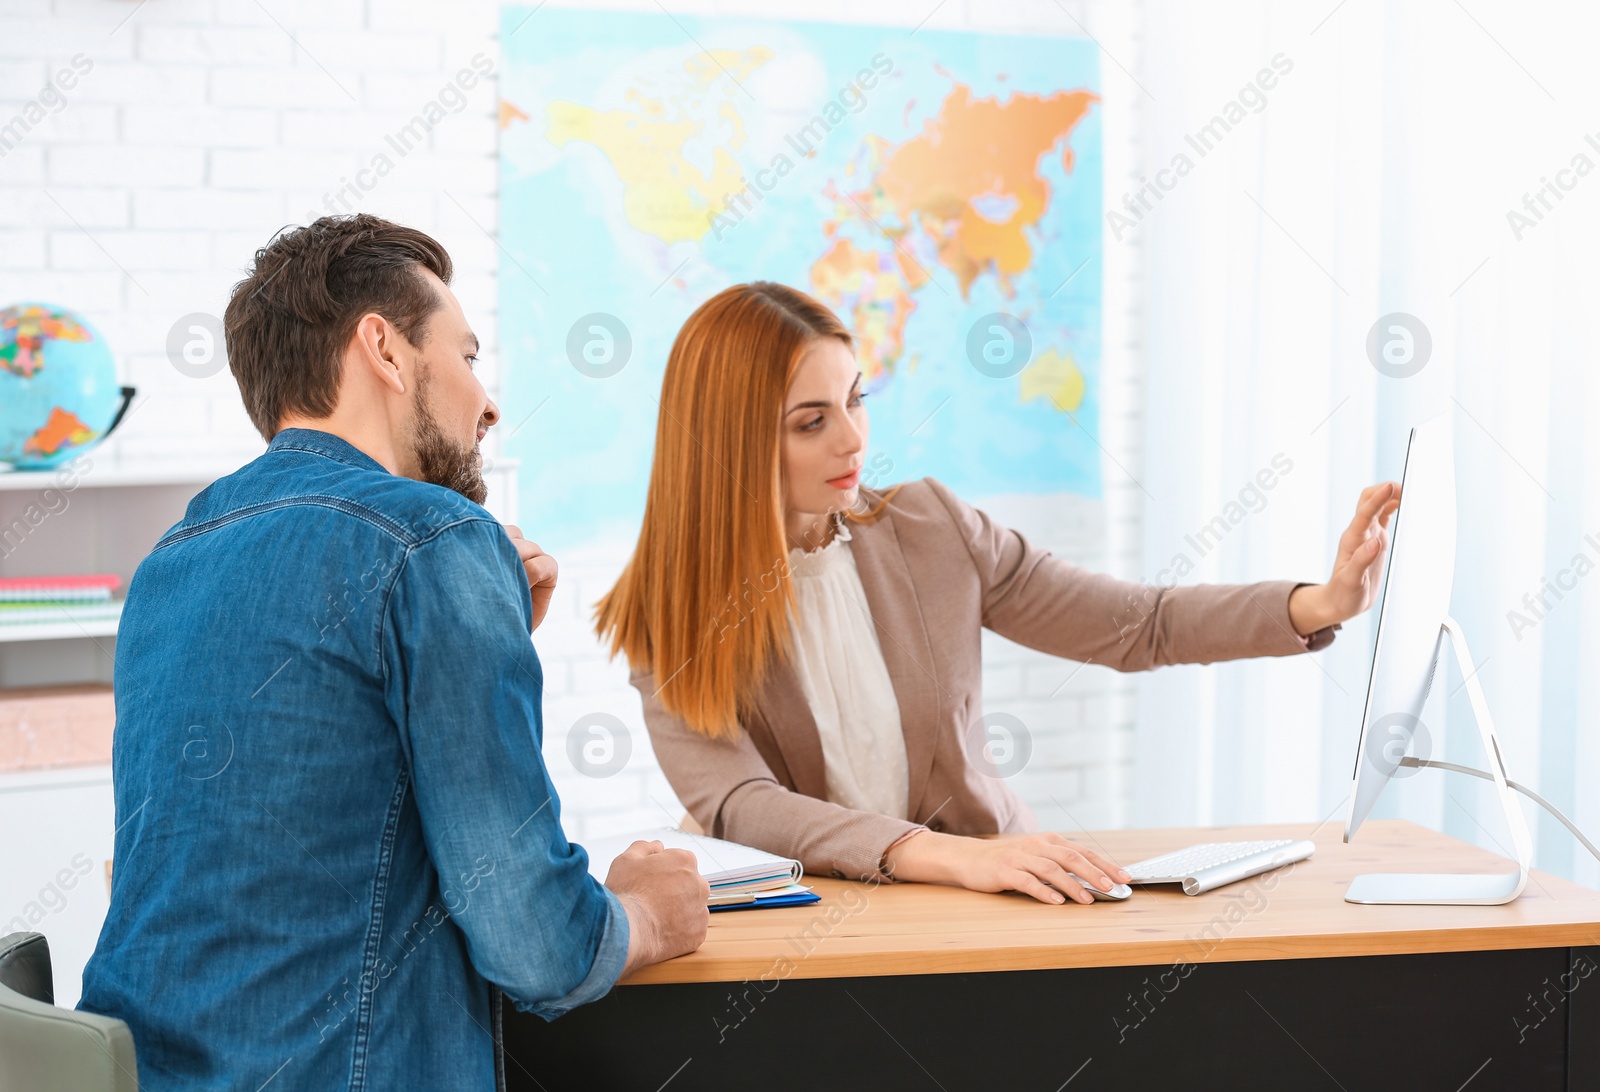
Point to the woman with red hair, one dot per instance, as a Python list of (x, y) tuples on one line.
[(807, 647)]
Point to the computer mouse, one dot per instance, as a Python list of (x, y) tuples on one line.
[(1117, 893)]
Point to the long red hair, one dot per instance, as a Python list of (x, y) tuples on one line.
[(704, 602)]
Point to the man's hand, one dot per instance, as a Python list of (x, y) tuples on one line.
[(541, 569), (1356, 570), (665, 897)]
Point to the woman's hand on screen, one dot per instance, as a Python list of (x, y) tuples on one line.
[(1357, 567)]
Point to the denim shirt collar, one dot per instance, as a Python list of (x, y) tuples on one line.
[(324, 443)]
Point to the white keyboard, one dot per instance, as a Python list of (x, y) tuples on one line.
[(1212, 864)]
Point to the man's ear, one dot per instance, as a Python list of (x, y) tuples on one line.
[(376, 346)]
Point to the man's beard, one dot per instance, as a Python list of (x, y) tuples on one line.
[(439, 460)]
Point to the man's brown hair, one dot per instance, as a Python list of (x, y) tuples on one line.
[(288, 322)]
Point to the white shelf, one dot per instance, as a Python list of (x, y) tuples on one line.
[(112, 476), (65, 629), (55, 777), (109, 476), (57, 631)]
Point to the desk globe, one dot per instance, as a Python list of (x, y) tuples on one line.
[(58, 386)]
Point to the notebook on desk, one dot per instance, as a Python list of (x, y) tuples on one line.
[(741, 878)]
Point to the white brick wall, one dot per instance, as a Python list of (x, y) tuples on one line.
[(201, 129), (206, 125)]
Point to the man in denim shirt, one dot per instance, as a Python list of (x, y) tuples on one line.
[(334, 826)]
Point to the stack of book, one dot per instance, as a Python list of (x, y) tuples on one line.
[(28, 600), (741, 878)]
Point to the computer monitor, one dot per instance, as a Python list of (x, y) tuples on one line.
[(1413, 625), (1415, 599)]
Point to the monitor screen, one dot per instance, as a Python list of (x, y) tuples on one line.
[(1414, 604)]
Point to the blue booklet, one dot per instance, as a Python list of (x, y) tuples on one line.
[(793, 895)]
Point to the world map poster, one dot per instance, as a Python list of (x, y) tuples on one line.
[(940, 191)]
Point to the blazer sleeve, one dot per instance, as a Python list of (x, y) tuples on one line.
[(1046, 603), (732, 793)]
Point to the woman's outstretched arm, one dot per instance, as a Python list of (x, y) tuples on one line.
[(1048, 604)]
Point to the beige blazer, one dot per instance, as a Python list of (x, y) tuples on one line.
[(936, 572)]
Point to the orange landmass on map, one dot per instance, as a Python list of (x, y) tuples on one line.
[(61, 430), (962, 194), (510, 112), (972, 177)]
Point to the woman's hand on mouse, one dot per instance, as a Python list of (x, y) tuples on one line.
[(1035, 864)]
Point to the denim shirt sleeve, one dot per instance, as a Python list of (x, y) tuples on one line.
[(464, 685)]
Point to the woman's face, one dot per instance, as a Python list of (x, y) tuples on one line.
[(824, 431)]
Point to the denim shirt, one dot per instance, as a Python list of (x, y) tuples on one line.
[(334, 826)]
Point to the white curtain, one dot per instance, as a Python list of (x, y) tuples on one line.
[(1378, 174)]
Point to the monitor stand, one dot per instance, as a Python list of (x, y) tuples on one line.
[(1459, 889)]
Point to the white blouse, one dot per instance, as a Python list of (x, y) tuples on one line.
[(840, 667)]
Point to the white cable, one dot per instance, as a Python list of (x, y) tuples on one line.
[(1417, 763)]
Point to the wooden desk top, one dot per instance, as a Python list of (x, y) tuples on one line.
[(1298, 912)]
